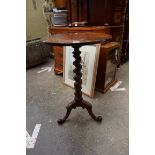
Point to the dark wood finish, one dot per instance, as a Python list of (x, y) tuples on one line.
[(78, 99), (102, 29), (116, 32), (54, 30), (76, 40), (125, 36), (106, 12), (103, 12), (78, 10), (107, 65)]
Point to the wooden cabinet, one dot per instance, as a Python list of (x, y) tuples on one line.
[(101, 13), (107, 65)]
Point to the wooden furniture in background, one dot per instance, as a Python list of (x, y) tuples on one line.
[(103, 13), (107, 65), (102, 29), (76, 40), (78, 10), (58, 51)]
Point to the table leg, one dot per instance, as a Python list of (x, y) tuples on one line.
[(78, 100)]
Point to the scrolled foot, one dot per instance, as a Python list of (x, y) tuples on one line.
[(88, 106), (99, 119), (61, 121)]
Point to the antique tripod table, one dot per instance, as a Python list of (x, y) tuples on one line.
[(76, 40)]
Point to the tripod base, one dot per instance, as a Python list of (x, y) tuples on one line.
[(84, 104), (78, 100)]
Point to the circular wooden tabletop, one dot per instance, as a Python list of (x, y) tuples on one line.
[(76, 38)]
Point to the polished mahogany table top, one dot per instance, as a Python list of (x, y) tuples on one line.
[(76, 38)]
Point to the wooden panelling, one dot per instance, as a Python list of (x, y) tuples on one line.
[(74, 7), (58, 59), (83, 10)]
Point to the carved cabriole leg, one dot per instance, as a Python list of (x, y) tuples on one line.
[(69, 109), (78, 100), (88, 106)]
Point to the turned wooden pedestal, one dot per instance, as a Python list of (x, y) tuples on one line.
[(76, 40)]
